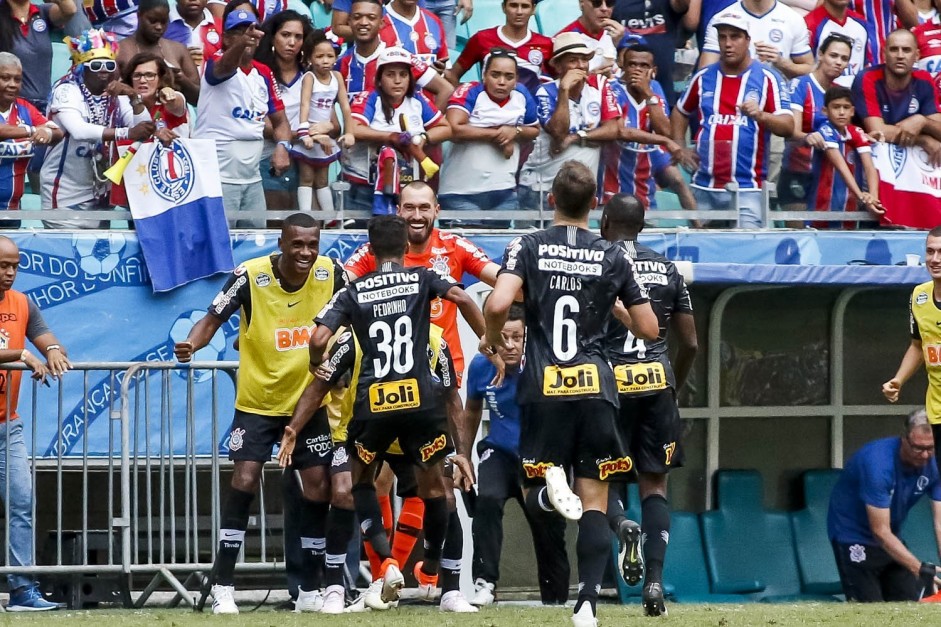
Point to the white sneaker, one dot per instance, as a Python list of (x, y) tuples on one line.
[(392, 584), (334, 600), (560, 494), (483, 593), (308, 601), (222, 600), (454, 601), (584, 617), (372, 598)]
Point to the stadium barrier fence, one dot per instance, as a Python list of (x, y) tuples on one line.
[(149, 506)]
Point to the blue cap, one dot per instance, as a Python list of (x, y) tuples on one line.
[(239, 18), (630, 39)]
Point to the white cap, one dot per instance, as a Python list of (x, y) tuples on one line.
[(731, 18), (394, 55)]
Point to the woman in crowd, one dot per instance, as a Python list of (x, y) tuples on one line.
[(489, 120), (150, 79), (807, 104), (392, 125), (282, 50), (94, 110)]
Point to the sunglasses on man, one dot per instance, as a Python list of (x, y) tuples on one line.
[(101, 65)]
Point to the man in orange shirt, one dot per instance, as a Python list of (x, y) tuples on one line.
[(447, 254), (20, 319), (429, 247)]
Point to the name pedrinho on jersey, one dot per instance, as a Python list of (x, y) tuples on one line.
[(643, 367), (390, 312), (571, 278), (346, 357)]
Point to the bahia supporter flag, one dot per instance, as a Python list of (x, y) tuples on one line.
[(175, 197), (909, 186)]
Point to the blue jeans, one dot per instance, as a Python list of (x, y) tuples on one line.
[(444, 9), (749, 205), (19, 499)]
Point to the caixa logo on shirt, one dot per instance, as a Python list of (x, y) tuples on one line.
[(240, 113), (727, 119)]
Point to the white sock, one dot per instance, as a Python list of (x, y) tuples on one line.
[(325, 198), (305, 197)]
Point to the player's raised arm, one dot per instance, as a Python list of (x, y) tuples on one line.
[(197, 338), (497, 307)]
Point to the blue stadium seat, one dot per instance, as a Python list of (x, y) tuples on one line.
[(918, 532), (685, 566), (321, 15), (61, 61), (814, 554), (750, 550), (818, 484), (554, 15)]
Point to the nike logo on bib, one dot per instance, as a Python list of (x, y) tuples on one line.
[(292, 304)]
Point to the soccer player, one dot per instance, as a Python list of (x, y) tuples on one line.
[(570, 280), (647, 384), (345, 360), (833, 186), (429, 247), (396, 397), (878, 487), (277, 297), (498, 476), (532, 49), (925, 326)]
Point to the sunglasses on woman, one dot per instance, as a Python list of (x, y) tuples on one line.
[(99, 65)]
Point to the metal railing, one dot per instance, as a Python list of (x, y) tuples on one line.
[(149, 504), (540, 215)]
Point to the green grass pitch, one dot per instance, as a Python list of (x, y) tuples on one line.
[(880, 615)]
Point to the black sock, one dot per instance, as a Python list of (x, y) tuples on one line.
[(537, 500), (615, 506), (339, 533), (655, 524), (370, 519), (451, 554), (231, 534), (435, 524), (313, 528), (592, 546)]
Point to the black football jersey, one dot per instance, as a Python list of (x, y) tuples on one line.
[(390, 312), (571, 278), (643, 367)]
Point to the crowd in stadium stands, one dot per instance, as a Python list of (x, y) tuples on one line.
[(614, 89)]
